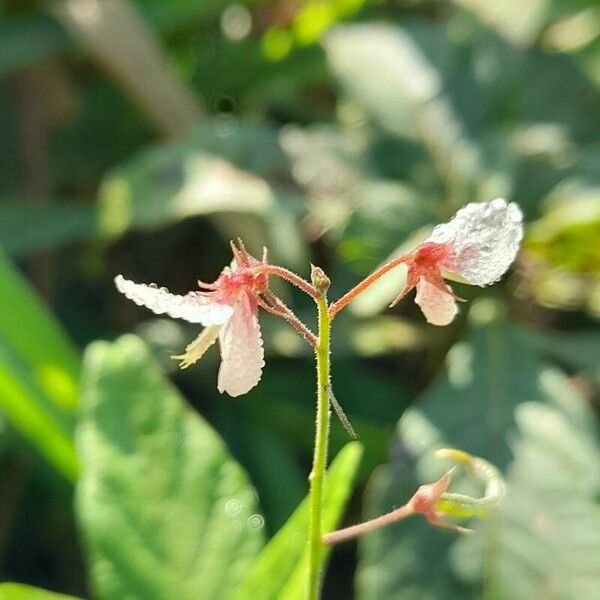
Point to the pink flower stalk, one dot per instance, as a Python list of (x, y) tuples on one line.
[(228, 308), (477, 246), (424, 501)]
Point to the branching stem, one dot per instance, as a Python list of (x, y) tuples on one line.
[(294, 279), (364, 284), (274, 305)]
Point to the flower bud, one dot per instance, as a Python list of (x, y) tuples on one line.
[(319, 279)]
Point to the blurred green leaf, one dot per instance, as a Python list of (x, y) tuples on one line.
[(493, 386), (386, 216), (177, 13), (29, 227), (577, 350), (164, 509), (296, 422), (564, 248), (545, 535), (518, 20), (542, 76), (568, 235), (18, 591), (39, 370), (263, 452), (117, 128), (397, 74), (255, 81), (353, 383), (278, 571), (220, 169), (26, 40)]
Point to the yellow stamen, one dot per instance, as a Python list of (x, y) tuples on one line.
[(195, 350)]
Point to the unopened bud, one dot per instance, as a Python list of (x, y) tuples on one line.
[(319, 279)]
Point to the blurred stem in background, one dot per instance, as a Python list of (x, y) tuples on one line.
[(33, 125), (118, 39)]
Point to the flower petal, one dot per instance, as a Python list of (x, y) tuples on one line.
[(192, 307), (485, 239), (439, 307), (195, 350), (242, 351)]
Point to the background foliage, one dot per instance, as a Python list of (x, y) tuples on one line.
[(139, 136)]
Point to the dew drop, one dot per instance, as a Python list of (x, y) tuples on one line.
[(236, 22), (256, 521), (233, 507)]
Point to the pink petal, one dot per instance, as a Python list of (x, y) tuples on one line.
[(242, 351), (192, 307), (439, 307), (485, 237)]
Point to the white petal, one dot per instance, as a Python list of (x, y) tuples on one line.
[(195, 350), (485, 238), (242, 351), (438, 307), (192, 307)]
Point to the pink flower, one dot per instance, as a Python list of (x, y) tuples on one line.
[(227, 308), (477, 245)]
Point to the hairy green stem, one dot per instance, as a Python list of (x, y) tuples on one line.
[(317, 475)]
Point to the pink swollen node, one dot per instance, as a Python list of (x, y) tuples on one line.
[(478, 245), (229, 312)]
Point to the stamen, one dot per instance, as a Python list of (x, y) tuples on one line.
[(237, 255), (195, 350)]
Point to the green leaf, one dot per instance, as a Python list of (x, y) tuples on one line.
[(165, 511), (519, 21), (278, 571), (218, 170), (387, 215), (263, 452), (567, 235), (574, 349), (28, 227), (497, 400), (398, 76), (551, 515), (18, 591), (39, 371), (167, 16), (26, 40)]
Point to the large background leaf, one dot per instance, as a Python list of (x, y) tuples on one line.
[(49, 225), (541, 542), (39, 368), (494, 399), (221, 168), (17, 591), (165, 511), (280, 569)]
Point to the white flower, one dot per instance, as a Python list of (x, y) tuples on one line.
[(229, 311), (478, 244)]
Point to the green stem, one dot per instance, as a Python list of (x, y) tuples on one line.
[(317, 475)]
